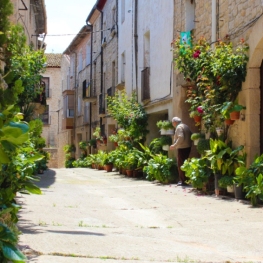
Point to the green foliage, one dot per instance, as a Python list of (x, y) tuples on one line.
[(196, 136), (166, 125), (24, 64), (129, 114), (217, 75), (223, 159), (160, 168), (69, 148), (203, 145), (225, 181), (198, 171), (251, 179), (97, 133), (6, 9), (8, 250)]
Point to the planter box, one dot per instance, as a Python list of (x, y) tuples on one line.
[(167, 132)]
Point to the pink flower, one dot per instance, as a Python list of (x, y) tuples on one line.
[(200, 109), (197, 54)]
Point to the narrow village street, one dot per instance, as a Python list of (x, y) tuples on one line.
[(87, 215)]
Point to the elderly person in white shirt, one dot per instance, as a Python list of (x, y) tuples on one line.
[(183, 143)]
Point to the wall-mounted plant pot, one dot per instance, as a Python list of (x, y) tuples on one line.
[(219, 131), (196, 141), (166, 147), (234, 115), (229, 121), (197, 118), (167, 132)]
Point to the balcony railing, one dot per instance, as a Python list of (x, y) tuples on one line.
[(89, 91), (145, 84), (45, 118)]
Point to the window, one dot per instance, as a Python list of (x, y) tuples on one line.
[(68, 106), (47, 90), (88, 53), (80, 61), (45, 116), (79, 106), (123, 67), (87, 112)]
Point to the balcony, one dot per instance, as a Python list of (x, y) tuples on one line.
[(145, 84), (68, 120), (89, 92)]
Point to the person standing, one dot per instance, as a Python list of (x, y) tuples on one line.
[(183, 143)]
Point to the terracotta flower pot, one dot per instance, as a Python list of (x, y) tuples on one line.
[(229, 121), (197, 118), (234, 115), (108, 167), (129, 173)]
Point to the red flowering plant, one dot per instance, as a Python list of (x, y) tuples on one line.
[(217, 72)]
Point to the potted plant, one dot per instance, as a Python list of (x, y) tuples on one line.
[(108, 161), (130, 162), (160, 168), (251, 179), (166, 127), (198, 171), (196, 113), (203, 145), (196, 136), (165, 142), (223, 160), (97, 134), (231, 110)]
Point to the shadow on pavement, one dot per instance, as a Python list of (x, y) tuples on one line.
[(76, 233), (47, 179)]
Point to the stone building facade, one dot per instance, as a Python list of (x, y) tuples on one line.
[(235, 20), (31, 14), (51, 118)]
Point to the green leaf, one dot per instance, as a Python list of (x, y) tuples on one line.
[(3, 156), (32, 188), (12, 253)]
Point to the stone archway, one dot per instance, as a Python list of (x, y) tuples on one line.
[(250, 94)]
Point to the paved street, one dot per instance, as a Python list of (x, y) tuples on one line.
[(86, 215)]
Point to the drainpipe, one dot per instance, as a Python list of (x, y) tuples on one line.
[(213, 39), (101, 61), (91, 79), (136, 45)]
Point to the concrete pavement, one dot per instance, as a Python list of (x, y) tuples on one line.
[(87, 215)]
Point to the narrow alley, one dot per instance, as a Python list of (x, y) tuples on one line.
[(87, 215)]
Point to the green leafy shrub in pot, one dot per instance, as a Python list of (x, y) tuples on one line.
[(251, 179), (198, 171), (203, 145), (166, 125), (160, 168), (165, 140), (196, 136)]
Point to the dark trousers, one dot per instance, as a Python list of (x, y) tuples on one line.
[(182, 155)]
